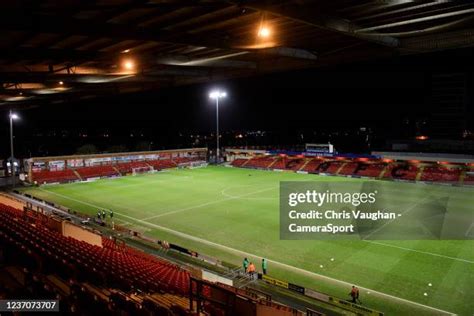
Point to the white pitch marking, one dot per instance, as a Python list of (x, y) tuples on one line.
[(420, 251), (391, 221), (151, 182), (287, 266), (204, 204), (284, 265), (369, 241), (224, 193)]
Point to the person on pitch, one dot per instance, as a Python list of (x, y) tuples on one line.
[(251, 269), (111, 214), (245, 264), (104, 215), (354, 294), (264, 266)]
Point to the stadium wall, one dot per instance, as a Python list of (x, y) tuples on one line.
[(73, 231)]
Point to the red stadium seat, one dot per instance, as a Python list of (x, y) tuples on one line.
[(349, 168), (295, 164), (127, 167), (47, 176), (123, 265), (370, 170), (313, 165), (333, 168), (441, 174), (469, 177), (401, 171), (97, 171), (180, 160), (260, 162), (162, 164), (239, 162)]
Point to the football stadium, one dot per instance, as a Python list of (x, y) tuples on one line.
[(237, 157)]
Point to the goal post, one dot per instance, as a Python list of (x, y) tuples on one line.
[(142, 170)]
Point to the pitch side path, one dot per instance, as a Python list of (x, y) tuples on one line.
[(230, 213)]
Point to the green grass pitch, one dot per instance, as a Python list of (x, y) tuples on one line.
[(231, 212)]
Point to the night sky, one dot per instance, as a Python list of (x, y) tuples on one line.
[(379, 94)]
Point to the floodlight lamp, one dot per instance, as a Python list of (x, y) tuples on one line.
[(264, 31), (216, 94), (14, 116), (128, 64)]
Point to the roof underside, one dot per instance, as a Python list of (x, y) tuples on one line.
[(83, 43)]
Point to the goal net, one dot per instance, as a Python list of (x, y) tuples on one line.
[(142, 170)]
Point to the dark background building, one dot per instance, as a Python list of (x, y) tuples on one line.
[(130, 75)]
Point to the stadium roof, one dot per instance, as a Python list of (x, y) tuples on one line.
[(53, 51)]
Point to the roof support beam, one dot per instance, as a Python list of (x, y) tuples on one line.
[(215, 61), (413, 21), (308, 17), (290, 52), (432, 42), (67, 8), (402, 10), (72, 26), (71, 56)]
